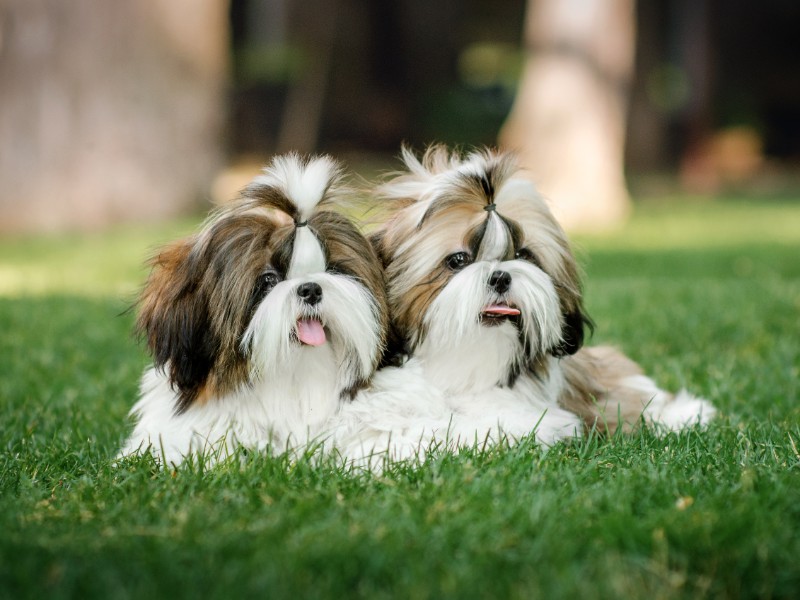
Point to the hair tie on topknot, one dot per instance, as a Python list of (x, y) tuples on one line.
[(490, 207), (300, 223)]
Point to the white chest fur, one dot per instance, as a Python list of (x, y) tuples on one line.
[(286, 411)]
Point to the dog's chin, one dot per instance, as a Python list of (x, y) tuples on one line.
[(473, 357), (475, 339)]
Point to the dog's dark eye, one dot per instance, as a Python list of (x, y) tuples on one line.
[(525, 254), (264, 284), (271, 278), (457, 261), (267, 281)]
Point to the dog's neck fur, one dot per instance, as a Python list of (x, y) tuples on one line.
[(488, 359), (288, 407)]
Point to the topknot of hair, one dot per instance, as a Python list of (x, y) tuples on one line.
[(305, 184)]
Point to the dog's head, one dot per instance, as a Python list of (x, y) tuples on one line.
[(269, 279), (478, 270)]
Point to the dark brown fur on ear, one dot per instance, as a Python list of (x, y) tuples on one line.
[(395, 349), (376, 240), (573, 333), (174, 320)]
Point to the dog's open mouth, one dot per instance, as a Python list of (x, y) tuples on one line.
[(310, 332), (494, 314)]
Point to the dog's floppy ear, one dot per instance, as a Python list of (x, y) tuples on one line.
[(175, 322), (574, 320), (396, 345), (573, 332)]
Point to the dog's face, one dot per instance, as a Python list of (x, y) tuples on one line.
[(478, 271), (258, 290)]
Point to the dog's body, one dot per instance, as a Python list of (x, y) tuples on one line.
[(262, 324), (486, 306), (405, 413)]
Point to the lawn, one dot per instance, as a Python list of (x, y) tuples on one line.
[(704, 295)]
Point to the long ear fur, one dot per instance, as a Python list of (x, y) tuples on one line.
[(395, 349), (377, 241), (174, 320), (573, 333)]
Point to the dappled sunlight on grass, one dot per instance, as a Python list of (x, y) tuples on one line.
[(703, 224), (111, 263)]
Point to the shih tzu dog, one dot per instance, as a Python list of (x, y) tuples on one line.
[(488, 322), (262, 324)]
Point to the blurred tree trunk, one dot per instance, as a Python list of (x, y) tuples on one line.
[(109, 111), (568, 119), (315, 28)]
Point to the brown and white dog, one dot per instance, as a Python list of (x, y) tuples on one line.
[(262, 324), (488, 321)]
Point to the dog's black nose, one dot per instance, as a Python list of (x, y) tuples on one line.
[(310, 293), (500, 281)]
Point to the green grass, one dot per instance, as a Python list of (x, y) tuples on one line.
[(101, 264), (705, 296)]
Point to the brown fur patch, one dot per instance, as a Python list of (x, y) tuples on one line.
[(596, 390), (410, 296), (194, 307)]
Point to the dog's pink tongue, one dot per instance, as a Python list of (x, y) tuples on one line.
[(500, 309), (310, 331)]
